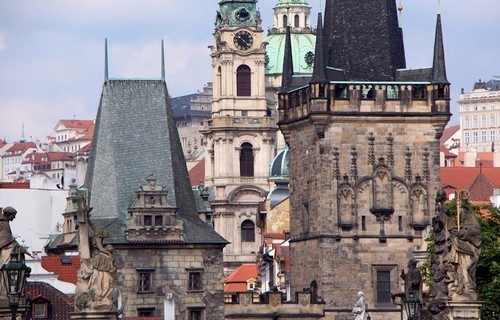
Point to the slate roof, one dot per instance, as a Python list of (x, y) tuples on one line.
[(364, 39), (136, 136)]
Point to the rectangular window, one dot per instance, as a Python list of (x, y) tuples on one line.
[(383, 287), (145, 280), (40, 311), (483, 121), (475, 137), (392, 92), (467, 137), (466, 122), (148, 220), (195, 314), (363, 223), (492, 120), (483, 136), (492, 135), (158, 220), (400, 223), (474, 122), (385, 278), (194, 281), (145, 312)]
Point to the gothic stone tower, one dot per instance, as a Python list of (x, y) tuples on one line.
[(240, 137), (364, 137)]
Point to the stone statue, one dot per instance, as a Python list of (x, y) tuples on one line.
[(359, 307), (8, 243), (464, 247), (95, 289), (412, 280)]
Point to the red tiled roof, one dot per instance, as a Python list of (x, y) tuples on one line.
[(21, 146), (446, 152), (2, 143), (85, 149), (48, 157), (448, 133), (77, 124), (60, 304), (483, 158), (458, 178), (65, 272), (237, 281), (197, 173)]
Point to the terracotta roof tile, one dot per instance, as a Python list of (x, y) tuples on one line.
[(65, 272), (448, 133), (21, 146), (197, 173), (77, 124), (60, 304), (237, 281), (457, 178)]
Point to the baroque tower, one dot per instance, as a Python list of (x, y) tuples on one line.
[(240, 137), (363, 134)]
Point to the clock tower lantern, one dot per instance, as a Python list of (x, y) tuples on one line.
[(240, 136)]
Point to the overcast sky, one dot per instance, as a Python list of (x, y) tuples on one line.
[(52, 65)]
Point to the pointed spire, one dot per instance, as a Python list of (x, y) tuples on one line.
[(438, 65), (23, 136), (319, 73), (106, 59), (287, 76), (162, 61)]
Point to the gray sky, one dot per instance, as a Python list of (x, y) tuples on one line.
[(51, 51)]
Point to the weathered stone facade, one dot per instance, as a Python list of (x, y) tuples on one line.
[(170, 266), (363, 134)]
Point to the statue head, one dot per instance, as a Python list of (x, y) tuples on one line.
[(360, 294), (9, 213)]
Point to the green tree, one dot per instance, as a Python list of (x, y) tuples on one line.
[(488, 268)]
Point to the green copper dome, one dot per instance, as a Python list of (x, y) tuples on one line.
[(302, 53), (282, 3)]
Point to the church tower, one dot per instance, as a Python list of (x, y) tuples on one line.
[(363, 134), (240, 137)]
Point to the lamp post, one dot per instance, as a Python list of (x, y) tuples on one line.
[(412, 306), (14, 276)]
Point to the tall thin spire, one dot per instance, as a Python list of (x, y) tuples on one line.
[(287, 76), (438, 65), (319, 72), (162, 61), (106, 59), (23, 136)]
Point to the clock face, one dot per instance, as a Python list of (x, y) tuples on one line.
[(243, 40)]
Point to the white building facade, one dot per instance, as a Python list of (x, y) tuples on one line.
[(480, 116)]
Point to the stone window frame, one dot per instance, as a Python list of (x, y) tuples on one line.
[(393, 281), (146, 311), (195, 313), (149, 273), (247, 231), (194, 279)]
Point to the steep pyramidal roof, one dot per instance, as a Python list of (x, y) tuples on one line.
[(287, 77), (319, 73), (136, 136), (438, 65), (363, 39)]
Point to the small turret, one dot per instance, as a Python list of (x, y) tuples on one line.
[(287, 78)]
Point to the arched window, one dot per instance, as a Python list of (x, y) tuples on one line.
[(285, 21), (246, 160), (219, 81), (247, 231), (296, 21), (243, 85)]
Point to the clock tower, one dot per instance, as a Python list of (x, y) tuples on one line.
[(240, 136)]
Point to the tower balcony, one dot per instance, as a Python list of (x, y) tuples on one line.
[(350, 98), (235, 121)]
